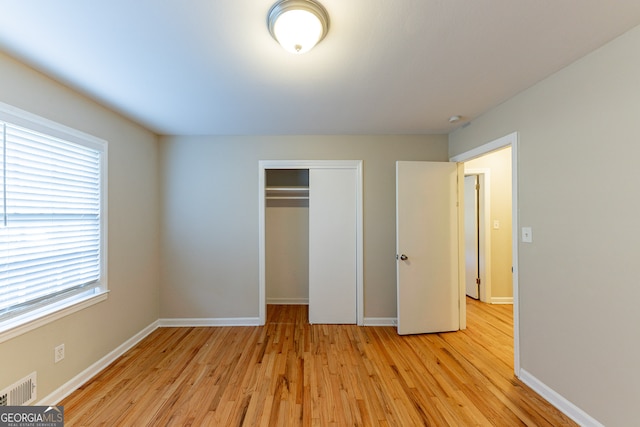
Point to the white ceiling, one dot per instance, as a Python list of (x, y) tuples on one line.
[(387, 66)]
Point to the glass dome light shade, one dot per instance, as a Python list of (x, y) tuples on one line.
[(298, 25)]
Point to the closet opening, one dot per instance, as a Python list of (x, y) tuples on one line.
[(287, 236), (310, 238)]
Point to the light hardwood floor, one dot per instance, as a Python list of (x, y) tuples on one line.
[(290, 373)]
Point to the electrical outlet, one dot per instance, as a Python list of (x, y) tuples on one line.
[(58, 353)]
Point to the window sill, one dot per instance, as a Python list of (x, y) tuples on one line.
[(23, 324)]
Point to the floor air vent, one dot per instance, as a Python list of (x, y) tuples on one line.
[(20, 393)]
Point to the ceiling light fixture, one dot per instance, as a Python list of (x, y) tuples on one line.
[(298, 25)]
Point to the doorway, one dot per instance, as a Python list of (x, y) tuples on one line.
[(331, 184), (508, 141), (494, 218), (287, 236), (472, 255)]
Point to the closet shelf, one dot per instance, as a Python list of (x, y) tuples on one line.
[(287, 193)]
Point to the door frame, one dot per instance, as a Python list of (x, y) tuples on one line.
[(484, 230), (263, 166), (510, 140)]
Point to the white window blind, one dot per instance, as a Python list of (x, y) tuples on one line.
[(50, 227)]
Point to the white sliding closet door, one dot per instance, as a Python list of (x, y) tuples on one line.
[(332, 245)]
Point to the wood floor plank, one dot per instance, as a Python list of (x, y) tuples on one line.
[(290, 373)]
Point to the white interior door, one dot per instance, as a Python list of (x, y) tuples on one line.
[(427, 247), (332, 245), (471, 236)]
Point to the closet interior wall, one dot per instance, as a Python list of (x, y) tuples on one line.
[(287, 236)]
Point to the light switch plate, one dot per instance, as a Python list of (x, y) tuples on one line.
[(527, 236), (496, 224)]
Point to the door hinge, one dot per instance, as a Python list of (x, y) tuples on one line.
[(477, 186), (477, 280)]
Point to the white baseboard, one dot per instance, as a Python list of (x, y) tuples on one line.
[(380, 321), (73, 384), (288, 301), (501, 300), (557, 400), (199, 322)]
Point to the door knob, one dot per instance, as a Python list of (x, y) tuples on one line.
[(403, 257)]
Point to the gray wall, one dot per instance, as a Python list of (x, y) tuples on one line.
[(210, 208), (133, 230), (287, 252), (579, 292)]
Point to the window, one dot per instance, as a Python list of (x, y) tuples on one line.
[(52, 220)]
